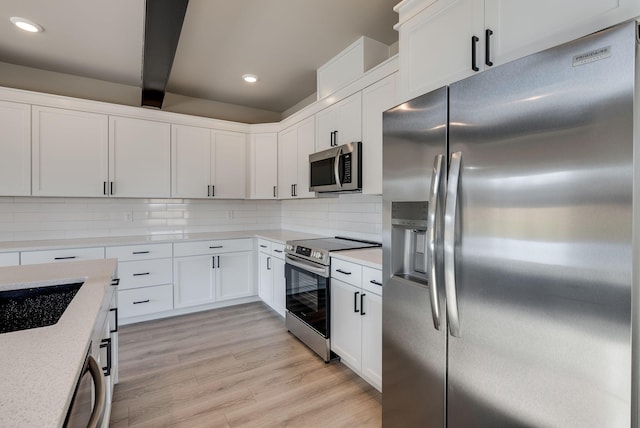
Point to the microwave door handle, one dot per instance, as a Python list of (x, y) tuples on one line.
[(336, 171)]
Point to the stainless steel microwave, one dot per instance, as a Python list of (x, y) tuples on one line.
[(338, 169)]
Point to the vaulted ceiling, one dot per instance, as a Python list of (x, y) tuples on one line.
[(281, 41)]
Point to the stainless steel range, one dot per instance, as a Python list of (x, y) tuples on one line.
[(307, 273)]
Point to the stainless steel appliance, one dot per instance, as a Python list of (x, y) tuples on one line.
[(338, 169), (307, 275), (89, 400), (508, 244)]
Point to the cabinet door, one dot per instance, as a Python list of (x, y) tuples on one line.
[(346, 323), (190, 161), (372, 339), (265, 278), (349, 117), (193, 281), (287, 162), (9, 259), (523, 27), (279, 286), (427, 62), (229, 165), (233, 275), (15, 149), (140, 157), (376, 99), (306, 145), (326, 125), (70, 152), (264, 166)]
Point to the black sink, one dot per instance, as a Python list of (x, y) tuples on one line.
[(34, 307)]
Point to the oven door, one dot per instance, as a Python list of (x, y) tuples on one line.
[(308, 293)]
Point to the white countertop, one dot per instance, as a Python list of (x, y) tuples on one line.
[(279, 235), (39, 367), (371, 257)]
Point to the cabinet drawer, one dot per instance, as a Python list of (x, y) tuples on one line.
[(348, 272), (139, 252), (147, 300), (145, 273), (211, 247), (372, 280), (9, 259), (264, 246), (64, 255), (277, 250)]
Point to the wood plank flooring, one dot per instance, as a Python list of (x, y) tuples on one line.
[(233, 367)]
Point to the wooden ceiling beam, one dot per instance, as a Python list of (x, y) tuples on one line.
[(163, 24)]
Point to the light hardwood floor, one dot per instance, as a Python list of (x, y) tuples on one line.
[(233, 367)]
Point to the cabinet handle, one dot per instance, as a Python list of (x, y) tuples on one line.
[(218, 262), (141, 301), (111, 187), (487, 52), (213, 262), (362, 313), (474, 42), (215, 247), (115, 330), (104, 188), (141, 274), (277, 251), (213, 191), (64, 258), (140, 252), (292, 190), (106, 343), (274, 191), (268, 263), (115, 281), (343, 272), (295, 190), (263, 246), (208, 190), (373, 281), (355, 302)]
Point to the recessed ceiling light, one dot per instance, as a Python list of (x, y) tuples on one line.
[(250, 78), (26, 25)]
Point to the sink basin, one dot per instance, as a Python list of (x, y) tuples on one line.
[(34, 307)]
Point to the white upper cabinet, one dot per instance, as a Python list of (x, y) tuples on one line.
[(70, 153), (480, 34), (15, 149), (190, 161), (263, 169), (295, 144), (207, 163), (376, 99), (522, 27), (139, 158), (229, 165), (341, 123), (436, 45)]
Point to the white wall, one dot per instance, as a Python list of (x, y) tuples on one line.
[(32, 218)]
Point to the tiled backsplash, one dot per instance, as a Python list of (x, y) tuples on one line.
[(30, 218)]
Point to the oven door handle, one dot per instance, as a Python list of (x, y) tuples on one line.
[(321, 271)]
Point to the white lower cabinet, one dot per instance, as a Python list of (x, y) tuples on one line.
[(222, 271), (9, 259), (61, 255), (271, 281), (356, 319), (145, 273)]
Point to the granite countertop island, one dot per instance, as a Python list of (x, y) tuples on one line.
[(39, 367)]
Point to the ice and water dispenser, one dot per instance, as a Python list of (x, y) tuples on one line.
[(409, 240)]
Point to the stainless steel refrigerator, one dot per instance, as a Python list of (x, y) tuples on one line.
[(509, 222)]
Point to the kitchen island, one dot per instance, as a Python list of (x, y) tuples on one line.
[(39, 367)]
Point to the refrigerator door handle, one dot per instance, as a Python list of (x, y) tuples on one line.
[(450, 242), (430, 254)]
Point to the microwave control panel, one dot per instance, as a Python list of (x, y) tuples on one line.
[(346, 178)]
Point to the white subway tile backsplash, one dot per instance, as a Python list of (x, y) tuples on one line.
[(34, 218)]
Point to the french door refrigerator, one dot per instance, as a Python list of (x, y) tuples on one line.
[(508, 244)]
